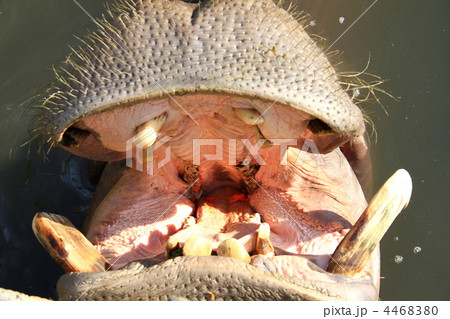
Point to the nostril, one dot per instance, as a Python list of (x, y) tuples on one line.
[(73, 137)]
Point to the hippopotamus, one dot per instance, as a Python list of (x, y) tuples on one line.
[(236, 161)]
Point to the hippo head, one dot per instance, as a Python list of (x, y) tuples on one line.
[(234, 157)]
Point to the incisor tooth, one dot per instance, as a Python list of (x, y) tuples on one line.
[(66, 244), (231, 247), (351, 255), (148, 132), (197, 246), (263, 244), (249, 116)]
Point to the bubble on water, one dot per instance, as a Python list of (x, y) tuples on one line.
[(398, 259), (312, 23), (341, 20), (356, 92), (396, 238), (417, 249)]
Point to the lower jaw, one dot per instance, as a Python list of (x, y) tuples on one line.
[(211, 278)]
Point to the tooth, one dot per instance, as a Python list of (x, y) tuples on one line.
[(256, 218), (355, 249), (249, 116), (172, 249), (231, 247), (263, 244), (148, 132), (197, 246), (189, 221), (66, 245)]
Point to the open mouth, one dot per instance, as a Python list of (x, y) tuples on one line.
[(220, 189), (234, 154), (302, 202)]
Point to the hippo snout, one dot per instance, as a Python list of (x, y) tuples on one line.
[(233, 156)]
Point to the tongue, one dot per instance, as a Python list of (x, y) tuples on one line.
[(222, 214)]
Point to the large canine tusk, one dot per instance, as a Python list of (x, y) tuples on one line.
[(66, 244), (351, 255)]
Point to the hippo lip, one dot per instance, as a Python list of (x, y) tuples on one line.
[(191, 72), (184, 278)]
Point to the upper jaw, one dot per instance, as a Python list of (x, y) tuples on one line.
[(205, 58)]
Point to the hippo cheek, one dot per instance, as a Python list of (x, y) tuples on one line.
[(227, 133)]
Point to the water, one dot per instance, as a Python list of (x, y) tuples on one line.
[(408, 44)]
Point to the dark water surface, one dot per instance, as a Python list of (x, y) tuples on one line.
[(408, 42)]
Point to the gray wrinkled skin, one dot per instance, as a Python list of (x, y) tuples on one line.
[(11, 295), (195, 278), (246, 48)]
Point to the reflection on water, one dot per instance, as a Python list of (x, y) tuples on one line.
[(407, 44)]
